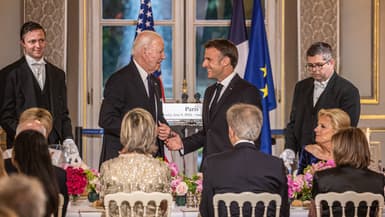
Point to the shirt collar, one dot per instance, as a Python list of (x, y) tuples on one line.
[(142, 72), (243, 141), (225, 82), (322, 84), (32, 61)]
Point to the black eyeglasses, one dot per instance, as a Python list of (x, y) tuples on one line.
[(317, 66)]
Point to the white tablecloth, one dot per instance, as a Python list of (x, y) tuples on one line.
[(83, 208)]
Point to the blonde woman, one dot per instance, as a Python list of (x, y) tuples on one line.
[(352, 157), (135, 169), (329, 122)]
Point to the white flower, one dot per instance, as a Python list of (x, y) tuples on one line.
[(181, 189)]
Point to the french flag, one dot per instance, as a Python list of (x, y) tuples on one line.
[(238, 35)]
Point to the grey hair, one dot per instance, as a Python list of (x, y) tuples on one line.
[(143, 39), (23, 194), (320, 48), (245, 120)]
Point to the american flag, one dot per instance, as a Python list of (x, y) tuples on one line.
[(145, 18), (146, 22)]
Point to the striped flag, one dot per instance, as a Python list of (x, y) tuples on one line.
[(258, 72), (238, 35), (146, 22)]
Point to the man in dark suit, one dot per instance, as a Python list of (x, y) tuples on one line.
[(324, 89), (32, 81), (237, 170), (131, 87), (221, 57)]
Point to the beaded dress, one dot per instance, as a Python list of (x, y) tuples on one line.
[(134, 172)]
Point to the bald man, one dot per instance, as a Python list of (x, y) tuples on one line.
[(134, 86)]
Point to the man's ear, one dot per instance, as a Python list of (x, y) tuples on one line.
[(231, 133), (226, 61), (22, 43)]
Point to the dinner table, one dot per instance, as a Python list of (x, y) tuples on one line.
[(83, 208)]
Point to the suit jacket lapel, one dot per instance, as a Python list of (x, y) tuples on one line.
[(51, 90), (209, 94), (137, 78), (26, 75), (228, 91)]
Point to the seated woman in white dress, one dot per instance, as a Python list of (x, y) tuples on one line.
[(135, 169)]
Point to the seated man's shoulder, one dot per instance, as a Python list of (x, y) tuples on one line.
[(220, 156)]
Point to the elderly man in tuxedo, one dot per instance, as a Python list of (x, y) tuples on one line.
[(260, 172), (32, 81), (134, 86), (220, 59), (322, 90)]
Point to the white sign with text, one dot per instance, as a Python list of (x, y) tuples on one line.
[(182, 111)]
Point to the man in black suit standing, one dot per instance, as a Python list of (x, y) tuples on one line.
[(237, 170), (32, 81), (134, 86), (220, 59), (324, 89)]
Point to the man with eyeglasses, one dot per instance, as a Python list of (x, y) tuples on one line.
[(323, 89)]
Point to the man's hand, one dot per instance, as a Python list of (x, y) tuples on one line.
[(174, 142), (164, 131), (288, 157)]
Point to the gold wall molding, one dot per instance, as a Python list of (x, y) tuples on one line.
[(372, 117), (374, 99), (318, 21)]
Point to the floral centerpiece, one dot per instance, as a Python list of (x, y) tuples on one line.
[(300, 186), (82, 181), (182, 185)]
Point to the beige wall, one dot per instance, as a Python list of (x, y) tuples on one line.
[(11, 17)]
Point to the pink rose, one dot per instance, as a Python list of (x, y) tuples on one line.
[(175, 183), (181, 189), (174, 169)]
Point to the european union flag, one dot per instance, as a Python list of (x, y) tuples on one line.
[(258, 72)]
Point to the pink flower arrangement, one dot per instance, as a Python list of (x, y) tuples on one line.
[(299, 186), (181, 184)]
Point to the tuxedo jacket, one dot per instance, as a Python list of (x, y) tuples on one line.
[(124, 91), (339, 93), (214, 135), (341, 179), (242, 169), (18, 94), (61, 178)]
